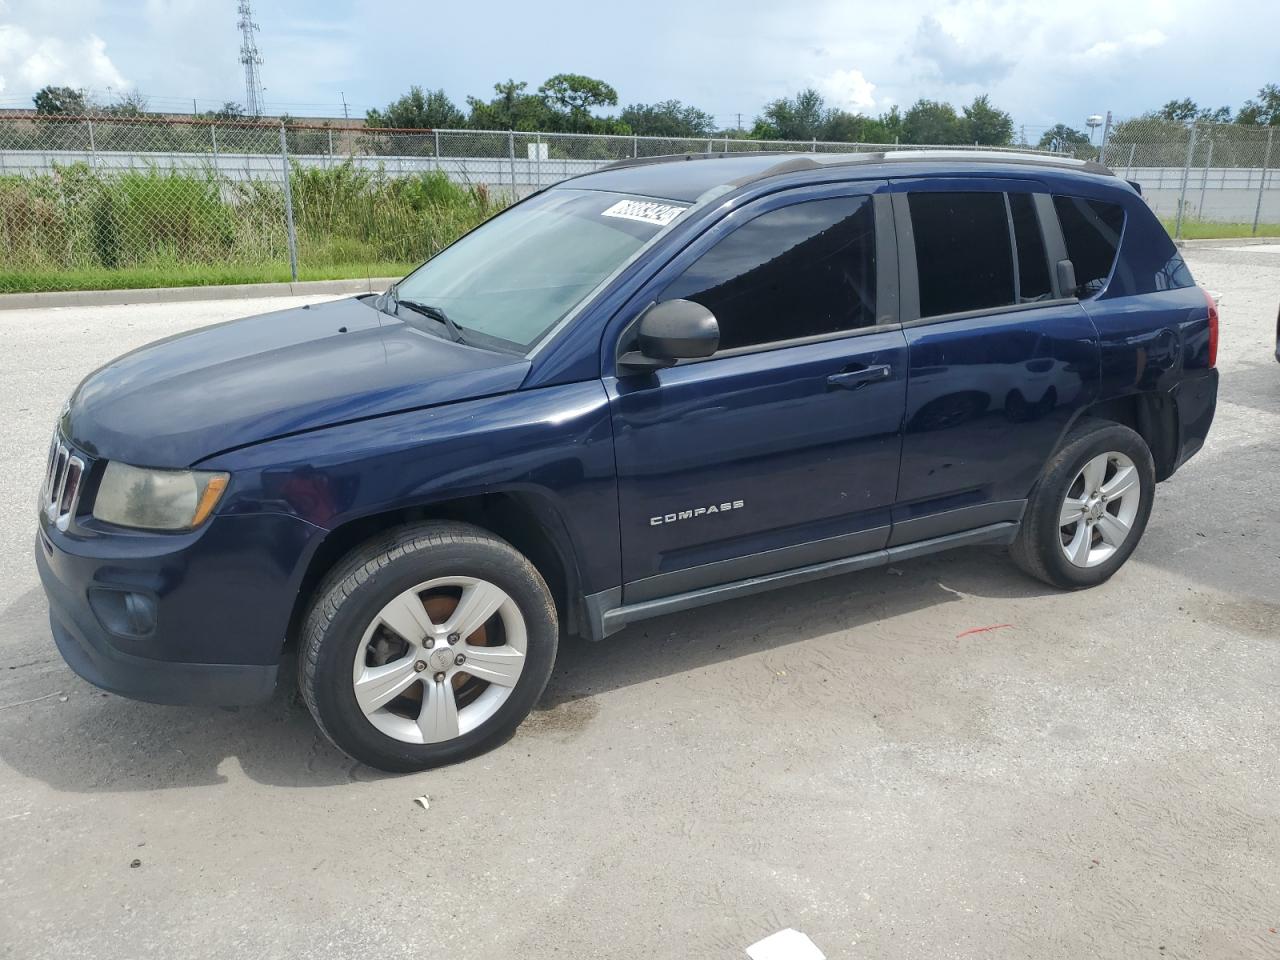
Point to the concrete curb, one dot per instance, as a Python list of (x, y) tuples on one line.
[(231, 291), (1230, 242)]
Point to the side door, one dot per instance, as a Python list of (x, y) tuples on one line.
[(781, 449), (1000, 358)]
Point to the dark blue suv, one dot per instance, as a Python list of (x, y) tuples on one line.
[(662, 384)]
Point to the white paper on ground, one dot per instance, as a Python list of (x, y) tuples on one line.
[(785, 945)]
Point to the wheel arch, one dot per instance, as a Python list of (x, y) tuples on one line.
[(1152, 415), (526, 520)]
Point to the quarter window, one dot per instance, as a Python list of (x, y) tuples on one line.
[(964, 257), (799, 271), (1091, 229)]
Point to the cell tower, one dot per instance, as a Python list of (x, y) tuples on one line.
[(251, 59)]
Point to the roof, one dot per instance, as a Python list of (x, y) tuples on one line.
[(687, 176)]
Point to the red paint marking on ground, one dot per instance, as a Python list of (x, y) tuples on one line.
[(994, 626)]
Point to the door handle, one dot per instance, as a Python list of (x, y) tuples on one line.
[(856, 379)]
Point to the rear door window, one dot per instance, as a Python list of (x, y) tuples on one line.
[(1091, 229), (964, 257)]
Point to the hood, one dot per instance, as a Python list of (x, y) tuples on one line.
[(185, 398)]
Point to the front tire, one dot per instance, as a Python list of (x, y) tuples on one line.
[(427, 646), (1089, 510)]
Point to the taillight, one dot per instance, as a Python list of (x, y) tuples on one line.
[(1213, 327)]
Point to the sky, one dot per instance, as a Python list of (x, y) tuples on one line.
[(1044, 62)]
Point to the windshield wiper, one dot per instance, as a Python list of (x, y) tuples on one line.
[(428, 310)]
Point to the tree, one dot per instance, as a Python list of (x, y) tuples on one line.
[(792, 118), (986, 124), (228, 111), (1265, 110), (668, 118), (886, 128), (131, 104), (1187, 110), (931, 121), (53, 99), (1064, 139), (418, 110), (510, 109), (1179, 111), (572, 95)]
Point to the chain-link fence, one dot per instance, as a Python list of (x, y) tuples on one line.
[(1201, 173), (112, 201)]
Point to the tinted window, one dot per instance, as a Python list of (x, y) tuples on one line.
[(1033, 262), (1091, 229), (963, 256), (798, 271)]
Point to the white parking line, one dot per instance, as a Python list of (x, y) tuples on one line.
[(786, 944)]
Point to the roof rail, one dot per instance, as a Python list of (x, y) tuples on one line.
[(789, 161), (704, 155)]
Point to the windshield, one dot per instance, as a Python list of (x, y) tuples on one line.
[(516, 276)]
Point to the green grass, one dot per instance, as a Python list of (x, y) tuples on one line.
[(76, 230), (1208, 230), (188, 275)]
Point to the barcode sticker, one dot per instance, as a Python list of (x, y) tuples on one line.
[(646, 211)]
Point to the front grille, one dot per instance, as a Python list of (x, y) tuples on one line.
[(60, 493)]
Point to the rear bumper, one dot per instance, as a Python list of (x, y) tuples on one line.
[(218, 604), (1196, 397)]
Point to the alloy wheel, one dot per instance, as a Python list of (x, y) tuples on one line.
[(1099, 509), (439, 659)]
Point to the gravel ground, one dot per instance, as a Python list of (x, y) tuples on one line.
[(1097, 779)]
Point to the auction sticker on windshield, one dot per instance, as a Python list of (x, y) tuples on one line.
[(646, 211)]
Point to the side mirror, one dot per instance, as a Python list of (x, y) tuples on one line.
[(670, 331), (1067, 279)]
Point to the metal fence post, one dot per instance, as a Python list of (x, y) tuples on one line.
[(1204, 177), (93, 150), (1129, 168), (511, 154), (288, 207), (1182, 194), (213, 139), (635, 147), (537, 153), (1262, 181), (331, 147)]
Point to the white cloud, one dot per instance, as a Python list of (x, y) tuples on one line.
[(29, 61), (1143, 40), (955, 59), (848, 90)]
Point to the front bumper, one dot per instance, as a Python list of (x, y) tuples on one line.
[(221, 601)]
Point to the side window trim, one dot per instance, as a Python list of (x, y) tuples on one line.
[(1055, 244), (736, 218), (908, 273), (1013, 249)]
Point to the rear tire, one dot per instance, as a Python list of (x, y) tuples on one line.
[(427, 646), (1089, 510)]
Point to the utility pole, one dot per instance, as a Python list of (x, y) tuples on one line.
[(251, 59), (739, 123), (345, 114)]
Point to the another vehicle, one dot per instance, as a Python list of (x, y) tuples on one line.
[(658, 385)]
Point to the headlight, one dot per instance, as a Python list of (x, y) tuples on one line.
[(157, 499)]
